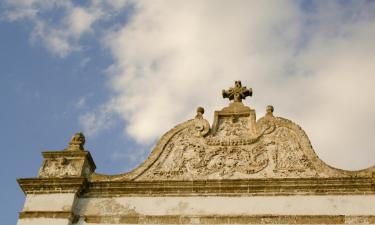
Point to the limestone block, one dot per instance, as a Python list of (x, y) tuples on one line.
[(43, 221), (49, 202), (354, 205)]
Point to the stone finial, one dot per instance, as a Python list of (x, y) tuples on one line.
[(237, 93), (77, 142), (200, 112), (269, 110)]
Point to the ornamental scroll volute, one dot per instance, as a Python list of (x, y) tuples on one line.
[(236, 147)]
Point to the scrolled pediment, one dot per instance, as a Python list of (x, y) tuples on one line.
[(235, 147)]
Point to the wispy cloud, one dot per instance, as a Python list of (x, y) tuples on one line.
[(96, 121), (60, 25), (84, 62), (80, 103)]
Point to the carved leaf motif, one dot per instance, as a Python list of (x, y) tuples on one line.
[(233, 127), (290, 156), (189, 157), (59, 168), (232, 153)]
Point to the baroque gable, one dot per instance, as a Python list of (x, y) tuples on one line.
[(235, 147)]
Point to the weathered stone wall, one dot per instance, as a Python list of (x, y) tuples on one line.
[(328, 209), (43, 221), (56, 202), (199, 206), (40, 209)]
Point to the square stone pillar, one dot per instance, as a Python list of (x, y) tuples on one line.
[(51, 197)]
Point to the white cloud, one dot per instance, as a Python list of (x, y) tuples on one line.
[(341, 91), (315, 67), (79, 21), (175, 56)]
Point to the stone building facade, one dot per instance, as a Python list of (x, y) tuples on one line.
[(239, 170)]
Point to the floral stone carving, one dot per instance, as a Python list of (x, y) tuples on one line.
[(232, 153), (73, 161), (61, 167), (237, 146)]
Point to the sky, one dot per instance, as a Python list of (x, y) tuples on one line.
[(124, 72)]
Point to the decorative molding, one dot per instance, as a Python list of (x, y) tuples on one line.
[(46, 214), (253, 187), (49, 214), (52, 185), (199, 219), (241, 219)]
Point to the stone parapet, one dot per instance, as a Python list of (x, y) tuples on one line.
[(66, 164), (51, 197)]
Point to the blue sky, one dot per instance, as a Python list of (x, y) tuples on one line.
[(124, 72), (40, 92)]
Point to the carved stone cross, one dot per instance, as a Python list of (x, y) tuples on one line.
[(237, 93)]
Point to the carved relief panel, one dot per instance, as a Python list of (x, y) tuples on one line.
[(61, 167), (233, 153)]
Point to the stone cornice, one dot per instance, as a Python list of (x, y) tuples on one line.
[(253, 187), (52, 185), (241, 219), (46, 214), (49, 214), (199, 219)]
